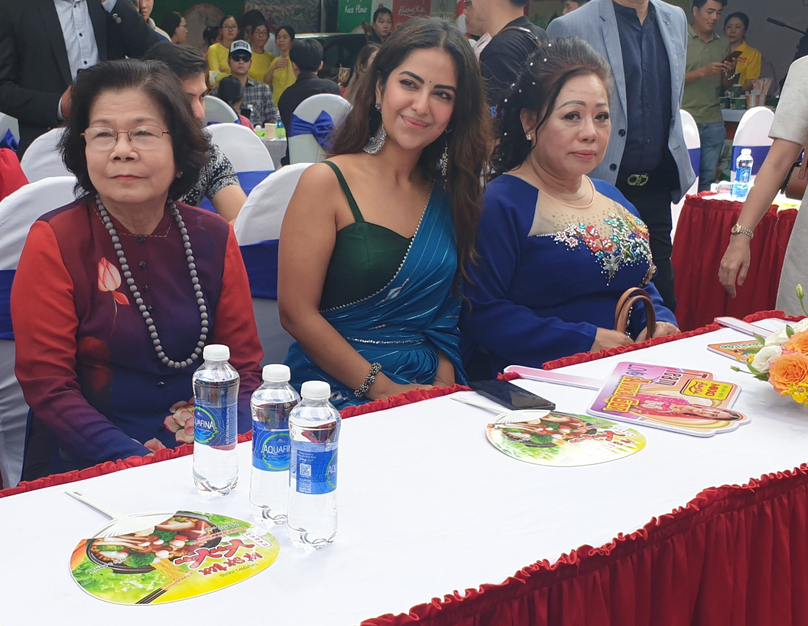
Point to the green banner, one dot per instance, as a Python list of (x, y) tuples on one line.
[(352, 13)]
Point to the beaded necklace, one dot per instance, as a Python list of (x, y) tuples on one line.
[(200, 298)]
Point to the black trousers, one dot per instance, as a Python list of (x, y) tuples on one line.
[(653, 201)]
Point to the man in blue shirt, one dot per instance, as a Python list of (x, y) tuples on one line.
[(645, 42)]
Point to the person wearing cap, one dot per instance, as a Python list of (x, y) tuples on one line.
[(257, 95)]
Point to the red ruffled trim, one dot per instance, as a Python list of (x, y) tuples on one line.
[(408, 397), (585, 357), (655, 575)]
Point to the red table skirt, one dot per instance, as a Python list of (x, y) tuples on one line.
[(702, 236), (732, 556)]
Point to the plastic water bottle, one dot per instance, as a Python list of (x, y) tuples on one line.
[(271, 404), (743, 174), (280, 131), (216, 385), (314, 426)]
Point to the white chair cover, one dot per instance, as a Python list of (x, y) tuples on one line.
[(693, 143), (753, 133), (259, 222), (18, 212), (218, 111), (242, 146), (304, 148), (9, 123), (43, 159)]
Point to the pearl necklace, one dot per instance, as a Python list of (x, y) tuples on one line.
[(200, 298)]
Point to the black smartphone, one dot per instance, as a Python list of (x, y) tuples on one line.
[(509, 395)]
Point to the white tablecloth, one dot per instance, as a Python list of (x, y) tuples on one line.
[(426, 507), (276, 149)]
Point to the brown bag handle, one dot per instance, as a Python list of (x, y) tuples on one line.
[(627, 301)]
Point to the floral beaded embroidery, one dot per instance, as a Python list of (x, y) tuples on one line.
[(627, 245)]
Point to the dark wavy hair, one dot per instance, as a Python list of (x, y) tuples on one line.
[(537, 88), (159, 83), (469, 129)]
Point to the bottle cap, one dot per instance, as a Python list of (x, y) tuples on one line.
[(216, 352), (746, 151), (276, 373), (315, 390)]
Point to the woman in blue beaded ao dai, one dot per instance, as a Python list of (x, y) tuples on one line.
[(556, 249)]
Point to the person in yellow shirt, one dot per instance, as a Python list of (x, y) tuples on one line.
[(219, 52), (280, 74), (748, 65), (261, 59)]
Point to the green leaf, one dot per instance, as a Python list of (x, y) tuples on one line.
[(760, 339), (789, 331), (763, 377)]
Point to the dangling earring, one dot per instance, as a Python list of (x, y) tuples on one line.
[(443, 162), (376, 142)]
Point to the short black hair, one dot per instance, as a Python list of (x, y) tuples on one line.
[(382, 10), (159, 83), (307, 54), (520, 3), (230, 90), (741, 16), (171, 22), (252, 18), (289, 31), (210, 34), (184, 62), (697, 4)]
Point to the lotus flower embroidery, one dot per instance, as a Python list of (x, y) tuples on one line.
[(109, 279)]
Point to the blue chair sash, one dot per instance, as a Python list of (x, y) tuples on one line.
[(9, 141), (321, 129), (6, 278), (261, 261), (759, 154), (695, 159), (246, 180)]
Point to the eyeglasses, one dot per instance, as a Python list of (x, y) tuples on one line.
[(141, 137), (230, 27), (467, 4), (241, 57)]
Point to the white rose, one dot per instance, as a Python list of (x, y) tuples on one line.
[(777, 338), (800, 326), (763, 359)]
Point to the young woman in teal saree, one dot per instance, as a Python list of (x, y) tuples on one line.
[(372, 295)]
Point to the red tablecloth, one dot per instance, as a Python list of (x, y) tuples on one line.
[(702, 236)]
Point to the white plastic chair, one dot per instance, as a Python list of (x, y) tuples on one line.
[(304, 148), (218, 111), (43, 159), (259, 222), (18, 212), (9, 123), (753, 133), (693, 144), (242, 146)]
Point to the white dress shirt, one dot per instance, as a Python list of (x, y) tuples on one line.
[(78, 33)]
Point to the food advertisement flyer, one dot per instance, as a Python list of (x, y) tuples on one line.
[(187, 555), (670, 398), (562, 439), (733, 349)]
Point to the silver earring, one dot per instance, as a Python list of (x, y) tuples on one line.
[(378, 107), (376, 142), (443, 162), (528, 137)]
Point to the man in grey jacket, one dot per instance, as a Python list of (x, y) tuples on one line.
[(645, 42)]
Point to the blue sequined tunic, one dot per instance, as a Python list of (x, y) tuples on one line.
[(549, 275)]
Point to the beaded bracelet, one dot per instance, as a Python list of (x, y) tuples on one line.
[(375, 368)]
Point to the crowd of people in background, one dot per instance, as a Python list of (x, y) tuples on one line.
[(397, 269)]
